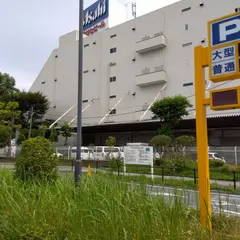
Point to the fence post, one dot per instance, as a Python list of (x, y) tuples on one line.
[(152, 171), (124, 167), (236, 160), (195, 176), (69, 152), (162, 174), (234, 179), (97, 166)]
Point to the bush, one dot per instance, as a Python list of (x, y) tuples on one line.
[(161, 143), (213, 163), (180, 162), (36, 160)]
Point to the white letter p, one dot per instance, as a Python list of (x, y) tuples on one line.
[(224, 32)]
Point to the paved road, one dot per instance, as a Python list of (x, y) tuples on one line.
[(225, 203)]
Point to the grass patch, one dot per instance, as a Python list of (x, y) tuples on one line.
[(99, 209)]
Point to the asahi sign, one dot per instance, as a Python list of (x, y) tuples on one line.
[(96, 17)]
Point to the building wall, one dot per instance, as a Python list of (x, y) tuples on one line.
[(172, 27)]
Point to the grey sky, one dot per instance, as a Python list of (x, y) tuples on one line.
[(29, 31)]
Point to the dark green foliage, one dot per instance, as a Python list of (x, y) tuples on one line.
[(66, 131), (111, 141), (185, 141), (26, 101), (4, 136), (37, 160), (116, 163), (20, 139), (213, 163), (179, 162), (171, 109), (7, 85), (159, 162), (53, 135), (166, 129)]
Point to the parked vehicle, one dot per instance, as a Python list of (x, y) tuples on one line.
[(215, 156), (59, 155), (104, 152), (86, 153)]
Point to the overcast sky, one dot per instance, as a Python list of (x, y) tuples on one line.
[(29, 31)]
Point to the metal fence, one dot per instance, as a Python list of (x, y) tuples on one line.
[(230, 154), (221, 178)]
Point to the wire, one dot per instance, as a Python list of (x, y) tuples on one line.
[(136, 111)]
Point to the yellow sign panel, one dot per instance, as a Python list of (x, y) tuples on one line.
[(224, 47), (224, 99)]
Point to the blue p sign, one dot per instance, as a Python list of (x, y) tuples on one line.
[(225, 31)]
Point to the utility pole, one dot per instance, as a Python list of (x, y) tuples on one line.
[(31, 119), (78, 164)]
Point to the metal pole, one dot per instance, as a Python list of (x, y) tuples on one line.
[(78, 164), (202, 138), (30, 127)]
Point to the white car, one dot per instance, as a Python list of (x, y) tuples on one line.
[(58, 155), (86, 153), (102, 152), (215, 156)]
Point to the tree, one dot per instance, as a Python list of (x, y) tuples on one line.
[(170, 111), (8, 114), (7, 85), (66, 131), (115, 162), (161, 144), (4, 136), (183, 143), (111, 141), (53, 135), (30, 103)]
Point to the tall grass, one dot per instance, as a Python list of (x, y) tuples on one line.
[(99, 209)]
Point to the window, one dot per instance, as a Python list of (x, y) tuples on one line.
[(86, 71), (188, 84), (113, 96), (112, 64), (43, 82), (114, 35), (186, 9), (113, 112), (85, 101), (112, 79), (86, 45), (187, 44), (113, 50), (186, 27)]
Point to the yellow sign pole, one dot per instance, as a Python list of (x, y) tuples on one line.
[(201, 61)]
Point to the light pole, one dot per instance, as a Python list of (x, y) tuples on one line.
[(78, 164)]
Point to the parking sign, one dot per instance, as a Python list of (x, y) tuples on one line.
[(224, 44)]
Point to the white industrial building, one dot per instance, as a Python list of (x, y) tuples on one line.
[(127, 66)]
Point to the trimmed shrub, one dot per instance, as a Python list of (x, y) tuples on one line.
[(180, 162), (36, 160), (213, 163)]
